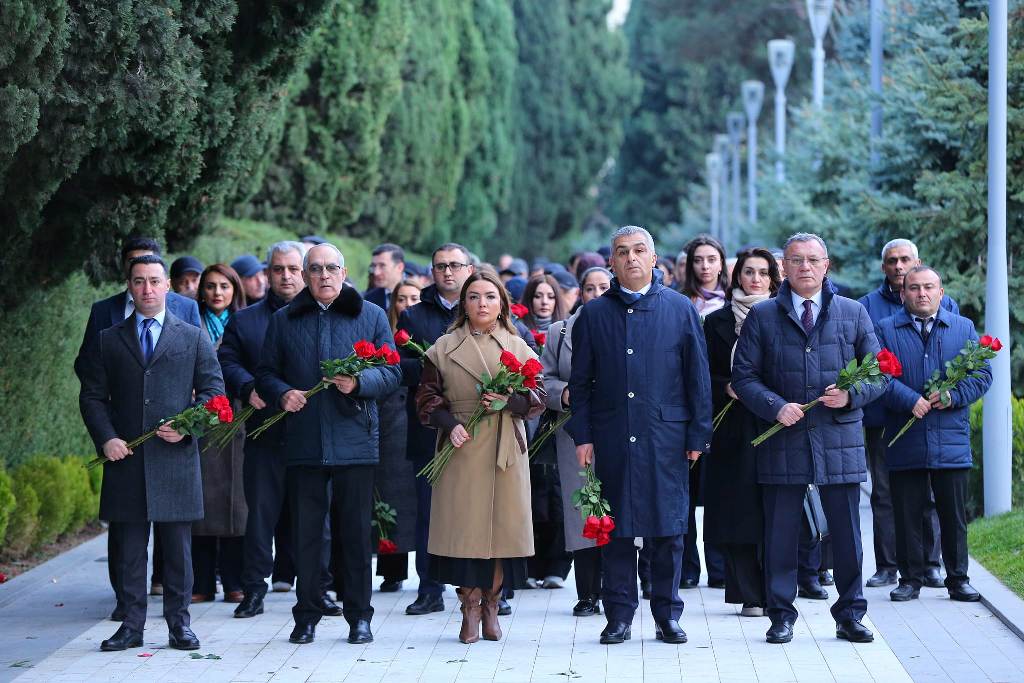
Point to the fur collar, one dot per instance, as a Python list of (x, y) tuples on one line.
[(349, 303)]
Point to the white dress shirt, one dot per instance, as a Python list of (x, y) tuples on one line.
[(798, 305)]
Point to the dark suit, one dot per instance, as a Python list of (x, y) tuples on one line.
[(124, 396), (378, 295)]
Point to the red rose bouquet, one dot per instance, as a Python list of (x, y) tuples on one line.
[(384, 518), (872, 370), (364, 355), (195, 421), (404, 339), (595, 510), (514, 376), (967, 363)]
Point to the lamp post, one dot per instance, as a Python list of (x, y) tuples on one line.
[(712, 163), (724, 216), (877, 37), (753, 97), (997, 428), (734, 124), (819, 12), (780, 57)]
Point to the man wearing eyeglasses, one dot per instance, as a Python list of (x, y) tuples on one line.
[(332, 438), (790, 353)]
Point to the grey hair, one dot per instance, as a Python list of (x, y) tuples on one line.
[(899, 242), (305, 258), (805, 237), (627, 230), (283, 248)]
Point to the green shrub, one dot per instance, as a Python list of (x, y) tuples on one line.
[(24, 521), (7, 503), (52, 483), (976, 487), (85, 502)]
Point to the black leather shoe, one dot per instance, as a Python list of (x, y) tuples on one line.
[(883, 577), (118, 613), (615, 632), (854, 631), (122, 639), (391, 587), (965, 592), (933, 578), (587, 607), (688, 583), (425, 604), (645, 590), (668, 630), (812, 590), (303, 634), (904, 592), (716, 583), (504, 609), (780, 632), (328, 607), (825, 578), (182, 638), (250, 606), (360, 632)]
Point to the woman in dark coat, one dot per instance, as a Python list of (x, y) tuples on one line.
[(217, 539), (396, 476), (733, 518)]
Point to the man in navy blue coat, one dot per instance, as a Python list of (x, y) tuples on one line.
[(790, 353), (104, 314), (934, 456), (898, 257), (640, 396)]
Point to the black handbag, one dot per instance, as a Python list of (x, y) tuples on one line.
[(815, 514)]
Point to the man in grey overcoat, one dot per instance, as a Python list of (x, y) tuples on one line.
[(149, 367)]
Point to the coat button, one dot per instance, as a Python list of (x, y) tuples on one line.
[(630, 394), (629, 351), (632, 439), (148, 373), (629, 310), (808, 349), (147, 401)]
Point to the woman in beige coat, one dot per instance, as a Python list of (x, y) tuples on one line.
[(481, 529)]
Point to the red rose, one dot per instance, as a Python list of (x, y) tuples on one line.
[(364, 349), (603, 539), (386, 547), (530, 383), (519, 310), (402, 338), (607, 524), (3, 577), (985, 340), (996, 344), (532, 368), (889, 364), (539, 338), (392, 358), (383, 351), (592, 527), (509, 360), (225, 414), (217, 404)]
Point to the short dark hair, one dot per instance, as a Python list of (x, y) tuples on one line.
[(773, 270), (449, 246), (397, 253), (920, 269), (147, 260), (137, 243)]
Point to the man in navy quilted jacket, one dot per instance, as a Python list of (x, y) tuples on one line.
[(934, 456)]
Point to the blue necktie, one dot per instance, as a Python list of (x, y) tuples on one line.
[(146, 339), (632, 297)]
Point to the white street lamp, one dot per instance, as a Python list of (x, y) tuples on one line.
[(724, 215), (780, 58), (753, 97), (819, 12), (877, 36), (734, 124), (713, 164)]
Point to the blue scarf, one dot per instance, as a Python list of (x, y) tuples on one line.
[(215, 323)]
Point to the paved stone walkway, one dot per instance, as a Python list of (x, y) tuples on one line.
[(53, 624)]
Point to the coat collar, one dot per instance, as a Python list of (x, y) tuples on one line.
[(349, 303), (117, 308), (170, 330), (784, 300), (903, 318), (885, 291), (466, 354), (615, 292)]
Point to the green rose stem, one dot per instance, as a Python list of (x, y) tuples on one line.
[(778, 426), (271, 421), (548, 431), (721, 415), (433, 469), (221, 435)]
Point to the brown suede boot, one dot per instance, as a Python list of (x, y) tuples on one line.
[(470, 599), (491, 627)]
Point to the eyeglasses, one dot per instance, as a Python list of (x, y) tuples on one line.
[(453, 266), (797, 261), (330, 269)]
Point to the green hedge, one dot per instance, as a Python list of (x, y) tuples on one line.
[(976, 489)]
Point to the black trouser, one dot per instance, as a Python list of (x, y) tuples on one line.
[(744, 574), (393, 567), (428, 586), (550, 557), (132, 541), (783, 511), (618, 567), (114, 565), (284, 559), (883, 521), (911, 491), (213, 554), (263, 477), (352, 493), (588, 572)]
